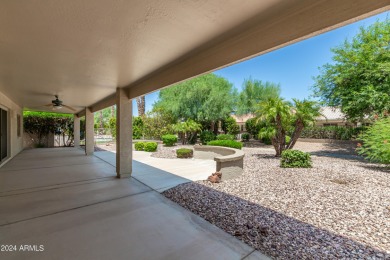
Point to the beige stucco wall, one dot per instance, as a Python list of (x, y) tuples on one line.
[(15, 143)]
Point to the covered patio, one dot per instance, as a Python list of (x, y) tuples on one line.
[(75, 208), (95, 54)]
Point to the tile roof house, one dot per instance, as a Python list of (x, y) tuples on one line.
[(330, 116)]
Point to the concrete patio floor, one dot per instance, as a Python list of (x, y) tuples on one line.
[(74, 207), (162, 174)]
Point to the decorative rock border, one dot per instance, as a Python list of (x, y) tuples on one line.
[(229, 161)]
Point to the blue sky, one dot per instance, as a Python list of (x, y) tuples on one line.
[(293, 66)]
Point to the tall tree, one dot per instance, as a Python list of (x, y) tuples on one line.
[(207, 98), (358, 80), (140, 105), (254, 92)]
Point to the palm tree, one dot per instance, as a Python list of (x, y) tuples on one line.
[(280, 117), (141, 105), (275, 112), (187, 130), (305, 114)]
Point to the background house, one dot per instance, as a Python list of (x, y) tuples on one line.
[(330, 116), (241, 120)]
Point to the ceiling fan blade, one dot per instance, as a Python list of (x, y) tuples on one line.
[(68, 107)]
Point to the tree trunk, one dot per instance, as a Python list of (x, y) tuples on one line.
[(212, 126), (141, 105), (101, 119), (280, 137), (297, 133), (113, 111)]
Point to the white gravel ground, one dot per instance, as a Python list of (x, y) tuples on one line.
[(339, 209)]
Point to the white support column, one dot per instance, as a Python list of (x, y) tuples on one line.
[(89, 134), (76, 131), (124, 134)]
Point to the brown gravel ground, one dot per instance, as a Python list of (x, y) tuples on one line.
[(339, 209)]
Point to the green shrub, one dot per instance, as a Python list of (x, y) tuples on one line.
[(207, 136), (226, 143), (332, 132), (184, 153), (138, 126), (169, 140), (42, 124), (245, 136), (295, 159), (112, 125), (150, 147), (225, 137), (230, 126), (288, 139), (139, 146), (266, 140), (376, 142)]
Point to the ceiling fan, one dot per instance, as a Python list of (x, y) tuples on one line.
[(57, 104)]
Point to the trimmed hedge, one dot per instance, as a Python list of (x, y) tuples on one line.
[(207, 136), (150, 147), (169, 140), (226, 143), (146, 146), (139, 146), (184, 153), (295, 159), (225, 137), (332, 132)]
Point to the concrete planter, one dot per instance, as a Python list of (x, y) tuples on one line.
[(229, 161)]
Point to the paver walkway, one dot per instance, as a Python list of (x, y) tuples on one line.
[(62, 204)]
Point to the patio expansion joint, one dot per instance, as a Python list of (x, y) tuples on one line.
[(55, 186), (251, 252), (105, 161), (75, 208), (47, 167)]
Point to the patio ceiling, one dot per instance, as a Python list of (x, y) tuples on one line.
[(84, 50)]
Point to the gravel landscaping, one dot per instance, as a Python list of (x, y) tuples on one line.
[(169, 152), (339, 209)]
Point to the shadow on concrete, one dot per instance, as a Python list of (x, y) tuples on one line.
[(152, 177), (268, 231)]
